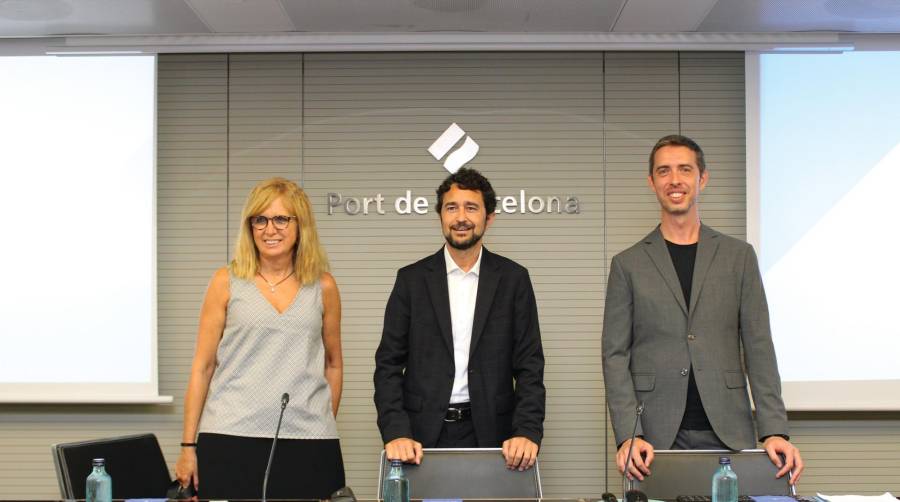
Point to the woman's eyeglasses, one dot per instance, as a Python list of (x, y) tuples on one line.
[(280, 222)]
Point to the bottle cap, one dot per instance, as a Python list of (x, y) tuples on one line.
[(396, 463), (98, 462), (724, 460)]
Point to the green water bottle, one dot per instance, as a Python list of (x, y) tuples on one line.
[(99, 485)]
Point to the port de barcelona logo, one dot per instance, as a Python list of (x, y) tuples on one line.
[(454, 148)]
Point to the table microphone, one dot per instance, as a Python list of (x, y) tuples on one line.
[(284, 402), (633, 495)]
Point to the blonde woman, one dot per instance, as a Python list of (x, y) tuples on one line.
[(270, 324)]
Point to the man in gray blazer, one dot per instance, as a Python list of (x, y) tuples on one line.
[(686, 325)]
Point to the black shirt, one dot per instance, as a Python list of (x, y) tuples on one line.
[(683, 257)]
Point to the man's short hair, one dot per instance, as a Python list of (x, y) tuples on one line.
[(468, 179), (679, 140)]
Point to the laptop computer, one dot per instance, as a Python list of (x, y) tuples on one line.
[(690, 472)]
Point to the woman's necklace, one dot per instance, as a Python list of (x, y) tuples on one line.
[(271, 284)]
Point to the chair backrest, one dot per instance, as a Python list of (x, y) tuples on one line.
[(465, 473), (689, 472), (135, 463)]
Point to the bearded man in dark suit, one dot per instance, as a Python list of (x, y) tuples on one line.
[(460, 363)]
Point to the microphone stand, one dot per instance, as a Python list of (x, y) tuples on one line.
[(284, 402), (633, 495)]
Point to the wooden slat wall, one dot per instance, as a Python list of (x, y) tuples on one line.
[(554, 124), (265, 110), (849, 453)]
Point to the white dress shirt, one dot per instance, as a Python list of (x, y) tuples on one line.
[(463, 289)]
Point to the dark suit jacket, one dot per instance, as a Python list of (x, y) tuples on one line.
[(414, 367), (651, 339)]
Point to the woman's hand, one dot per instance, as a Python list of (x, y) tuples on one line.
[(186, 468)]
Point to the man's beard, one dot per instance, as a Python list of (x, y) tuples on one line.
[(466, 244)]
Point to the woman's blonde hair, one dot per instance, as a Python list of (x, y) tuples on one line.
[(310, 261)]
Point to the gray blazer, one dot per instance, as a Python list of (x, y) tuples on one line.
[(650, 341)]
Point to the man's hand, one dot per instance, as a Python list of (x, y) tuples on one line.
[(520, 453), (404, 450), (775, 445), (641, 457)]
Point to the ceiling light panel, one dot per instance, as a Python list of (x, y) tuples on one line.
[(654, 16), (243, 16)]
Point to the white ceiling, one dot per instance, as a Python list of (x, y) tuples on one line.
[(54, 18)]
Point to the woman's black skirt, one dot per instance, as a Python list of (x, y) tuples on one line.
[(232, 467)]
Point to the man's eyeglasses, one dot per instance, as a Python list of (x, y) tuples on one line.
[(261, 222)]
